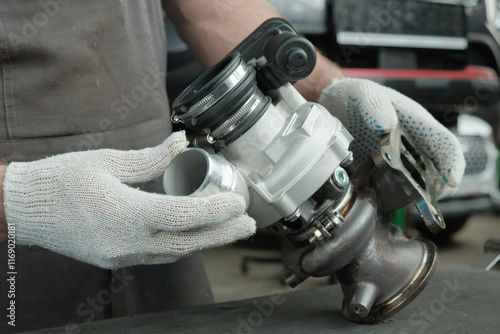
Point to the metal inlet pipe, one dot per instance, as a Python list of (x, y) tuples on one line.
[(198, 173)]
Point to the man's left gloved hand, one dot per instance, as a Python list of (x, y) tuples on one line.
[(81, 205), (369, 110)]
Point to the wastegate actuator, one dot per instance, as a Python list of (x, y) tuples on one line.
[(254, 134)]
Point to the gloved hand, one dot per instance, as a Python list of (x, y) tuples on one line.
[(368, 110), (75, 204)]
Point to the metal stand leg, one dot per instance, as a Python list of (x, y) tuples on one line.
[(492, 246)]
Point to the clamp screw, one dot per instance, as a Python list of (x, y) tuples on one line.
[(176, 118)]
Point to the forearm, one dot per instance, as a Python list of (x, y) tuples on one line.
[(212, 29), (3, 220)]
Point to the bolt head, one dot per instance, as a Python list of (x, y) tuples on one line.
[(293, 217), (341, 178)]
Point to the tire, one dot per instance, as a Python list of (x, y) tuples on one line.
[(453, 225)]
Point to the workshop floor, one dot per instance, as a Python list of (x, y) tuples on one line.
[(224, 265)]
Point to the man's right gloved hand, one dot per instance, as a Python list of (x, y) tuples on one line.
[(369, 110), (75, 204)]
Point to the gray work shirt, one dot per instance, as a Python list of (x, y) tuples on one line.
[(79, 75)]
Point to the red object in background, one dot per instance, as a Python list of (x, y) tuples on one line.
[(469, 73)]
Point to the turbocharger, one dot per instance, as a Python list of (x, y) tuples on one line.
[(254, 134)]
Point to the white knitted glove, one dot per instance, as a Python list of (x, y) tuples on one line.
[(368, 110), (75, 204)]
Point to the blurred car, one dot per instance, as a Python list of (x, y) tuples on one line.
[(479, 188), (444, 54)]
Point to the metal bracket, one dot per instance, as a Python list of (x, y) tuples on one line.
[(403, 176)]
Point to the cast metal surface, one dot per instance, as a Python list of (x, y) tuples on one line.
[(289, 158), (379, 269)]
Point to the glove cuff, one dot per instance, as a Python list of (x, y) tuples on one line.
[(28, 204)]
